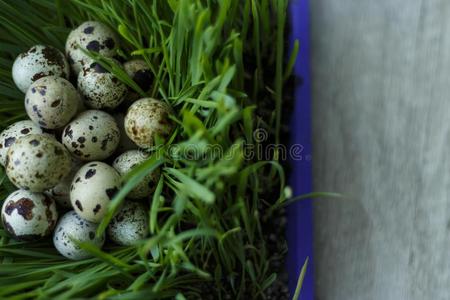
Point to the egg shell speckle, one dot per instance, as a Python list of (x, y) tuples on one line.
[(28, 216), (39, 61), (37, 162), (52, 102), (101, 89), (93, 187), (126, 162), (12, 133), (92, 36), (147, 118), (129, 225), (92, 135), (71, 227)]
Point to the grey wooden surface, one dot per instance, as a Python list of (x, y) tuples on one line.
[(381, 136)]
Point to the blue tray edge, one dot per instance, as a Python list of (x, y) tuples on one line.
[(300, 216)]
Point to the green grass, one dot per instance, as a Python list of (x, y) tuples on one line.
[(221, 65)]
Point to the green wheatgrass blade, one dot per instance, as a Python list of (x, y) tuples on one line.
[(190, 186), (298, 288), (157, 200)]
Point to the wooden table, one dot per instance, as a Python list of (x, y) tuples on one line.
[(381, 136)]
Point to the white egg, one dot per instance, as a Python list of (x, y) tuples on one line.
[(126, 162), (38, 62), (93, 187), (29, 216), (146, 119), (71, 227), (129, 225), (100, 88), (92, 135), (52, 102), (92, 36), (37, 162), (14, 132), (61, 192)]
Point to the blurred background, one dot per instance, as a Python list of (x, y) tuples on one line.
[(381, 136)]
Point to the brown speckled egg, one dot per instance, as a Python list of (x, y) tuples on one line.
[(93, 187), (146, 119), (52, 102), (126, 162), (37, 162), (29, 216), (92, 135), (92, 36), (71, 227), (14, 132), (100, 88), (129, 225), (38, 62)]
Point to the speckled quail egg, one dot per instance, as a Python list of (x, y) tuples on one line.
[(61, 192), (92, 36), (37, 162), (93, 187), (125, 143), (14, 132), (51, 102), (71, 227), (139, 71), (100, 88), (129, 225), (38, 62), (126, 162), (146, 119), (92, 135), (29, 216)]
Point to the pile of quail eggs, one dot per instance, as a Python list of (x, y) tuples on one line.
[(86, 130)]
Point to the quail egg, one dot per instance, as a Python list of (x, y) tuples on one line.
[(38, 62), (139, 71), (71, 227), (129, 225), (100, 88), (29, 216), (92, 135), (51, 102), (93, 187), (37, 162), (14, 132), (92, 36), (126, 162), (146, 119), (61, 192), (125, 143)]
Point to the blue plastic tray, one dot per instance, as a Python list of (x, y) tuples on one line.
[(299, 230)]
